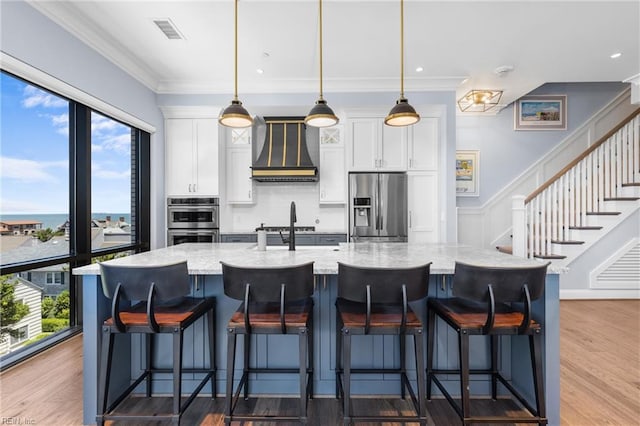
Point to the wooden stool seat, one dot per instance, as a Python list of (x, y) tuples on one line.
[(353, 315), (266, 315), (166, 316), (472, 316)]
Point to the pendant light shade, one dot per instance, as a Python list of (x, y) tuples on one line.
[(321, 115), (235, 115), (402, 114)]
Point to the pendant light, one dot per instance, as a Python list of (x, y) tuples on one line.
[(402, 114), (235, 115), (321, 115)]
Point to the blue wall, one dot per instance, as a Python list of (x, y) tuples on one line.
[(506, 153), (32, 38)]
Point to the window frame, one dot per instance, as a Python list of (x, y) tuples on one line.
[(80, 253)]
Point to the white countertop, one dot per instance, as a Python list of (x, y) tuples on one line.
[(204, 258)]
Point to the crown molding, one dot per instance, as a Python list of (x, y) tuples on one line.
[(76, 23)]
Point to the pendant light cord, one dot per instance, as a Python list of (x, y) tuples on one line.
[(320, 14), (235, 90), (401, 49)]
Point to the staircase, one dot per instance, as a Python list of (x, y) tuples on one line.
[(583, 201)]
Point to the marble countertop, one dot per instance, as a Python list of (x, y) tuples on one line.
[(204, 258)]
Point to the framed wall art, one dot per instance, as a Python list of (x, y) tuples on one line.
[(467, 173), (541, 112)]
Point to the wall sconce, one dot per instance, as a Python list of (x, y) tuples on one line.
[(479, 100)]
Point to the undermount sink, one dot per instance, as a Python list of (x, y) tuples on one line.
[(298, 248)]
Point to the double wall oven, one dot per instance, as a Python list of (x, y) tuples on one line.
[(192, 220)]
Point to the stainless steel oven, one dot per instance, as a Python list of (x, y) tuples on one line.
[(190, 213), (192, 220), (179, 236)]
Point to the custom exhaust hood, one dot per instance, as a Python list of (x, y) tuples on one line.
[(284, 156)]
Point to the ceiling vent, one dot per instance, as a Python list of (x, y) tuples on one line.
[(168, 28)]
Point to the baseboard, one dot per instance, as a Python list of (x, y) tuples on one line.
[(569, 294)]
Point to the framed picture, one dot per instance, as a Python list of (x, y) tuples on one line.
[(467, 173), (543, 112)]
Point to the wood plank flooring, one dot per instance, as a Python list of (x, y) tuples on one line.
[(600, 380)]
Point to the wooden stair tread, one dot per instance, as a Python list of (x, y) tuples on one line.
[(575, 242), (603, 213), (586, 228), (622, 199), (549, 256), (631, 184)]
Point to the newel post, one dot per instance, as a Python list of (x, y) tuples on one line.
[(519, 226)]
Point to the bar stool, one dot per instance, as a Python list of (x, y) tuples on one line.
[(160, 305), (374, 301), (276, 300), (482, 305)]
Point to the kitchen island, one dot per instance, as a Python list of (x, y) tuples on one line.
[(275, 351)]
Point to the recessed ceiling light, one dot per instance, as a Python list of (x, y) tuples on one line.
[(259, 70), (616, 55), (419, 69)]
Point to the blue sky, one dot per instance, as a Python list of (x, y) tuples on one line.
[(34, 154)]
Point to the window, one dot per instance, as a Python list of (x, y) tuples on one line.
[(35, 172), (54, 278), (74, 186), (24, 335), (111, 182)]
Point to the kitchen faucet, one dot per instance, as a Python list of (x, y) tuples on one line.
[(292, 230)]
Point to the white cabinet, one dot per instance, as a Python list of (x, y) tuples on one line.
[(239, 185), (423, 201), (374, 146), (332, 166), (191, 157), (423, 141)]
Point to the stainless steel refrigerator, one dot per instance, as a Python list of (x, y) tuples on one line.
[(377, 207)]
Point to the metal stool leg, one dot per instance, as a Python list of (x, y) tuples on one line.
[(418, 343), (310, 356), (247, 352), (303, 337), (211, 325), (463, 343), (177, 374), (231, 361), (403, 363), (494, 366), (346, 386), (535, 346), (431, 320), (338, 354), (149, 345), (105, 373)]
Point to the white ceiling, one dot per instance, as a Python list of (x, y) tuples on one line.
[(458, 43)]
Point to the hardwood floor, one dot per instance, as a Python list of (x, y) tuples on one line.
[(600, 379)]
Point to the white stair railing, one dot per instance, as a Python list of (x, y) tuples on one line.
[(578, 191)]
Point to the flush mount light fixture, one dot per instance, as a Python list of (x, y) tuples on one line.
[(321, 115), (479, 100), (616, 55), (235, 115), (402, 114)]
